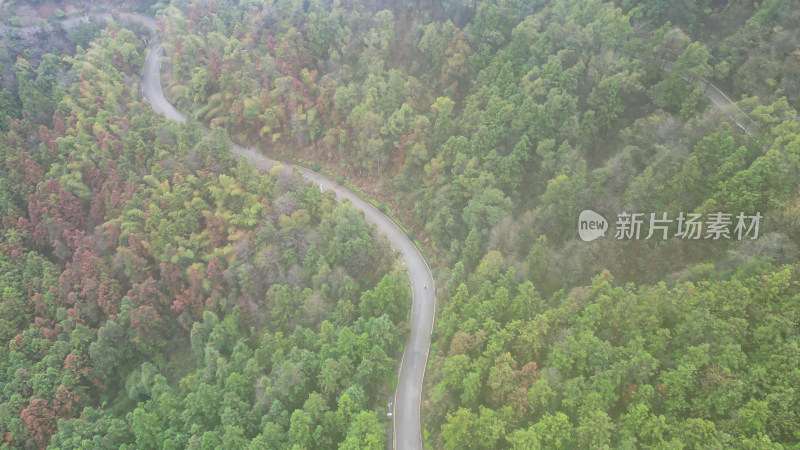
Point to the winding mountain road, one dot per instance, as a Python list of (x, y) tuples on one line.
[(408, 396)]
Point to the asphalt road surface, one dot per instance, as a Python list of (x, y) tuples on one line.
[(408, 397), (721, 101)]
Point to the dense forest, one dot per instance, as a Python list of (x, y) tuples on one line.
[(159, 294), (490, 129), (492, 135)]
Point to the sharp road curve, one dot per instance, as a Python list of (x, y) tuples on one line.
[(408, 396)]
